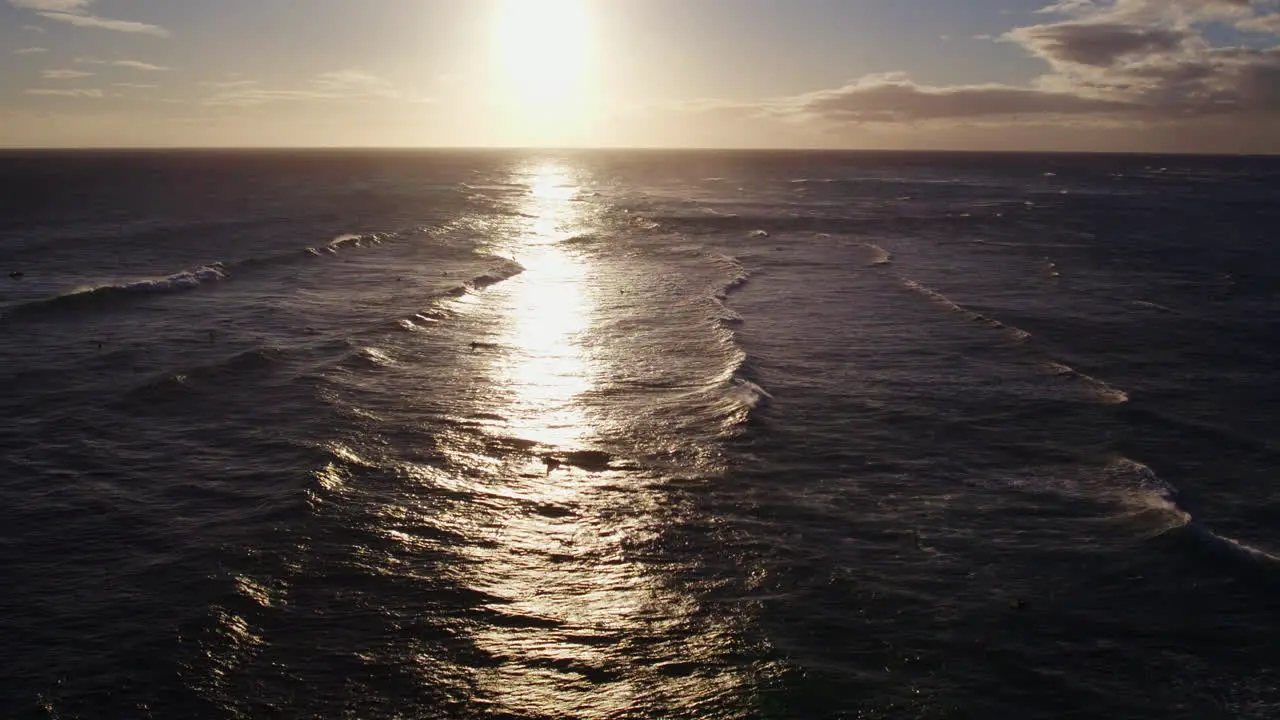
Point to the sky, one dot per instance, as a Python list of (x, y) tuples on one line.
[(1104, 75)]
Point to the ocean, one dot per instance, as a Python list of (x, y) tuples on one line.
[(638, 434)]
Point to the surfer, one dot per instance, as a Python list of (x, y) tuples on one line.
[(551, 463)]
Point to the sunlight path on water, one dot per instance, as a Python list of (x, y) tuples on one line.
[(573, 614), (549, 317)]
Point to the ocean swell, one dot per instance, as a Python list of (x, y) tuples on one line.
[(92, 297)]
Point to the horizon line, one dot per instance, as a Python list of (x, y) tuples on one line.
[(609, 148)]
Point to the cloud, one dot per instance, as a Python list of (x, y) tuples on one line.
[(895, 98), (136, 86), (133, 64), (1261, 23), (33, 28), (1096, 44), (63, 74), (1180, 12), (136, 65), (336, 85), (106, 23), (351, 81), (67, 6), (227, 84), (78, 92), (30, 51), (76, 12), (1068, 7), (1110, 64)]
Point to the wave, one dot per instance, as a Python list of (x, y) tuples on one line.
[(1017, 333), (1146, 305), (1108, 394), (180, 385), (504, 270), (85, 298), (748, 393), (507, 270), (740, 275), (1243, 550), (879, 256), (1141, 488), (739, 393), (93, 297), (336, 245), (369, 357), (580, 239), (408, 325), (728, 318)]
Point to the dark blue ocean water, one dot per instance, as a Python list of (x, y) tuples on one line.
[(638, 435)]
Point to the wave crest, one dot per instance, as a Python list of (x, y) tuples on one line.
[(1016, 333), (85, 298)]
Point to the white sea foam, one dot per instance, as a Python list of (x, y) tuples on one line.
[(1106, 393), (879, 256), (749, 394), (1016, 333)]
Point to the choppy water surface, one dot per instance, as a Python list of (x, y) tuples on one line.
[(614, 435)]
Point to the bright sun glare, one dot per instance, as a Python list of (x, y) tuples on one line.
[(543, 50)]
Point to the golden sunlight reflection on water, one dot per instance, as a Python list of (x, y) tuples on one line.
[(545, 365), (580, 626)]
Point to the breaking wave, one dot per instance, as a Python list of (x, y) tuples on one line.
[(85, 298), (189, 279), (1139, 487), (741, 393), (1017, 333), (1108, 394), (333, 247), (879, 256)]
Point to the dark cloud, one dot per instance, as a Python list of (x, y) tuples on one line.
[(895, 98), (1097, 44), (1126, 62)]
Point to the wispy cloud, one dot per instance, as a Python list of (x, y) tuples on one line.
[(78, 92), (228, 84), (107, 23), (336, 85), (136, 86), (133, 64), (30, 51), (137, 65), (63, 74), (69, 6), (76, 12), (33, 28)]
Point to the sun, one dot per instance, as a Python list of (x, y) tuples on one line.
[(543, 51)]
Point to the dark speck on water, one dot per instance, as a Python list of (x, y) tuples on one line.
[(1006, 450)]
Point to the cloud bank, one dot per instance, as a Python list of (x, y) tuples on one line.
[(1112, 64)]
